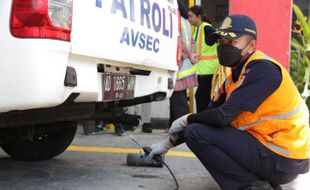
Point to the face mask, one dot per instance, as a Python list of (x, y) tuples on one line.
[(229, 55)]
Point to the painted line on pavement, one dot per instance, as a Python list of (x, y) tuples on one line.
[(124, 151)]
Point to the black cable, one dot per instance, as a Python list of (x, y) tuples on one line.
[(147, 150), (174, 178)]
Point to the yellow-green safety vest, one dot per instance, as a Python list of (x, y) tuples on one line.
[(207, 54)]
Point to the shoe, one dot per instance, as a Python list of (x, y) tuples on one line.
[(147, 128), (98, 128), (119, 130), (259, 185)]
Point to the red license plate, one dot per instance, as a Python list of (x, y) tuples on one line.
[(118, 86)]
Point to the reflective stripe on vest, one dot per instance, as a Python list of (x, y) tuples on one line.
[(201, 57), (186, 69), (186, 73), (275, 117), (184, 29), (278, 149)]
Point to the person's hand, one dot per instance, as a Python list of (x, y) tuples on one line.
[(194, 58), (160, 148), (177, 126)]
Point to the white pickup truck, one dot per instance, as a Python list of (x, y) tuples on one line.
[(64, 61)]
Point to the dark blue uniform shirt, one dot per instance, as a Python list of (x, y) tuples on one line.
[(261, 80)]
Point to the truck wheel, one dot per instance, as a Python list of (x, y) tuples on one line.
[(44, 146)]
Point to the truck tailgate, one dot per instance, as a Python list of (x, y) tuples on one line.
[(140, 32)]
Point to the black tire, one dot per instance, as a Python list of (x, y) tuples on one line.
[(44, 146)]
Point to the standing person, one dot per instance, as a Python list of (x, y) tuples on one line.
[(207, 56), (186, 76), (258, 137)]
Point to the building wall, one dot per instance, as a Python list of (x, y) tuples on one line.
[(216, 11), (273, 21)]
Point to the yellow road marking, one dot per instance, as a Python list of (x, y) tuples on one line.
[(124, 151)]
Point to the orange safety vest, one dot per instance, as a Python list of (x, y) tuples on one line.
[(281, 122)]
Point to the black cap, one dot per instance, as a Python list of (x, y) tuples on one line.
[(234, 27)]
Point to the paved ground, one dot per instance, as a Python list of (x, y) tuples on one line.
[(95, 168)]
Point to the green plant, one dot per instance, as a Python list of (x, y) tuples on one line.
[(301, 54)]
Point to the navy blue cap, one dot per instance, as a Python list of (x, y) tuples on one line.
[(233, 27)]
